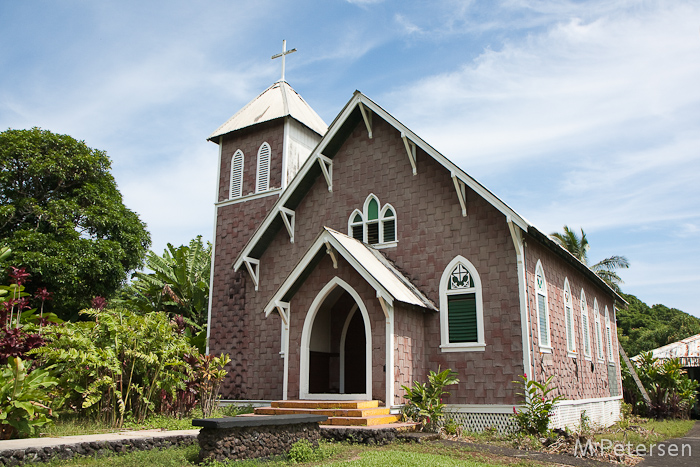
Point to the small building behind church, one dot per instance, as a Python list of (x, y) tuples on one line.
[(350, 260)]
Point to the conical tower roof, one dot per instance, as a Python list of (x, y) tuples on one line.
[(279, 100)]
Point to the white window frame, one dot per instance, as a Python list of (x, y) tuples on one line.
[(262, 179), (236, 176), (569, 313), (381, 218), (608, 332), (445, 344), (352, 223), (598, 332), (585, 327), (541, 289)]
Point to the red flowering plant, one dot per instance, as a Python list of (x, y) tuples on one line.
[(537, 409)]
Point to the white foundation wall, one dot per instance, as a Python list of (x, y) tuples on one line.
[(600, 412), (567, 414)]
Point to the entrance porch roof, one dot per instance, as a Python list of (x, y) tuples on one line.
[(389, 283)]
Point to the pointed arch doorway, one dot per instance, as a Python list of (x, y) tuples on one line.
[(336, 343)]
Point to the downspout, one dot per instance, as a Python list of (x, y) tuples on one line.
[(522, 293), (213, 247)]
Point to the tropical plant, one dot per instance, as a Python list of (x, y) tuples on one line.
[(64, 218), (118, 365), (537, 407), (672, 392), (179, 282), (425, 399), (210, 372), (25, 399), (578, 247)]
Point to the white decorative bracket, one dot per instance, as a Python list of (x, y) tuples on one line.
[(283, 310), (411, 151), (253, 267), (367, 117), (331, 251), (386, 305), (288, 217), (327, 169), (461, 193)]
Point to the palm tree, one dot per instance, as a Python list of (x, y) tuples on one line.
[(578, 246), (178, 284)]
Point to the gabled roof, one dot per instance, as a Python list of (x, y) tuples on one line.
[(277, 101), (353, 112), (389, 283), (688, 350)]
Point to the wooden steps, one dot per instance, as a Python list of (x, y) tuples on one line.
[(339, 413)]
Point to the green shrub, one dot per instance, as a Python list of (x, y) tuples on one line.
[(117, 365), (537, 412), (25, 400), (425, 399), (302, 451)]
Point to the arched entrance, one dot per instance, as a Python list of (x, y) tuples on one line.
[(335, 356)]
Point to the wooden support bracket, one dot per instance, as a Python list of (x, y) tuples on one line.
[(334, 256), (367, 117), (253, 267), (411, 151), (288, 217), (327, 169), (461, 188)]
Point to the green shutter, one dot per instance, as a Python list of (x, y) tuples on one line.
[(462, 318)]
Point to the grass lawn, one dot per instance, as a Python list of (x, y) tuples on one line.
[(645, 431), (419, 455)]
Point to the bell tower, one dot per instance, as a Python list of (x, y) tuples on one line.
[(261, 148)]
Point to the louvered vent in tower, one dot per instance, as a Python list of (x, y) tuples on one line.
[(236, 190), (263, 181)]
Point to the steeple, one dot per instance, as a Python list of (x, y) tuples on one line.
[(277, 101)]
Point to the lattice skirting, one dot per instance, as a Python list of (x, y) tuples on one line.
[(481, 419), (600, 412)]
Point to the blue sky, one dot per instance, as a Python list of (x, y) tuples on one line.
[(584, 113)]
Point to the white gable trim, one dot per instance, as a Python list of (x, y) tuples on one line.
[(331, 245), (357, 99)]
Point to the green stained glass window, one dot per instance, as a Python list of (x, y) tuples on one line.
[(373, 210), (357, 218)]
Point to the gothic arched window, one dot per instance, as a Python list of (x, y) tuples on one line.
[(374, 224), (542, 308), (461, 308)]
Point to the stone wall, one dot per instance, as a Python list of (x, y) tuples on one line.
[(68, 449), (253, 442)]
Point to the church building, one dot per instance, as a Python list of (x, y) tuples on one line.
[(352, 259)]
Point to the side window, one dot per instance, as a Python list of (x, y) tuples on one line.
[(598, 331), (236, 188), (542, 308), (569, 317), (356, 226), (461, 308), (608, 335), (263, 175), (374, 224), (388, 223), (585, 328)]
